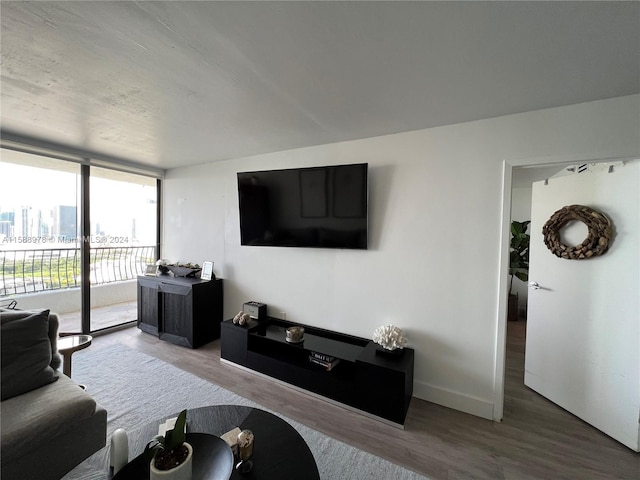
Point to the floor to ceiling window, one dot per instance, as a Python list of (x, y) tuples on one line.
[(50, 258), (123, 237), (39, 234)]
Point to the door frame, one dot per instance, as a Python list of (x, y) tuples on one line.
[(503, 260)]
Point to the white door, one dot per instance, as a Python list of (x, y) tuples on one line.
[(583, 322)]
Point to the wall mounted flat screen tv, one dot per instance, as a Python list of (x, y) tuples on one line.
[(323, 207)]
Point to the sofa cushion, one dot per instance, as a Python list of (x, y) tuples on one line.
[(30, 420), (10, 314), (26, 352)]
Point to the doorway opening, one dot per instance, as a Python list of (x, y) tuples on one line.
[(558, 345)]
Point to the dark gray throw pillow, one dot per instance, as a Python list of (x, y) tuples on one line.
[(26, 354)]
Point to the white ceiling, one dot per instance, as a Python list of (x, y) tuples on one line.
[(176, 83)]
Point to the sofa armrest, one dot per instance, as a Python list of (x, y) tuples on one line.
[(48, 431), (54, 325)]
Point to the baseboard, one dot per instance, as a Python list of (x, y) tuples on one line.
[(456, 400)]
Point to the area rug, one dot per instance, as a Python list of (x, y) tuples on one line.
[(131, 386)]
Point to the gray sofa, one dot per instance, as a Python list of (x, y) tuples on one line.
[(49, 424)]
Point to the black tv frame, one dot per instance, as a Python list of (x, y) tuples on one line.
[(316, 207)]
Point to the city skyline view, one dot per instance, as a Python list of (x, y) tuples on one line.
[(40, 235), (46, 213)]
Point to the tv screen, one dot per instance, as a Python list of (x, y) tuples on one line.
[(324, 207)]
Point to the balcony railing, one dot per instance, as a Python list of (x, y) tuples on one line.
[(38, 270)]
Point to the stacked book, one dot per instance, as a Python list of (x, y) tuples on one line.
[(326, 361)]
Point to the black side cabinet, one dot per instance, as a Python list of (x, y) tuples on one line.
[(364, 378), (180, 310)]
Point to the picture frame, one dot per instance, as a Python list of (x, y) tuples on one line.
[(151, 271), (207, 271)]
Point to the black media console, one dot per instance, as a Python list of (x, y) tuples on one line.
[(378, 383)]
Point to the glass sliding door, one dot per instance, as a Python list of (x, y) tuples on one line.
[(123, 226), (40, 264), (74, 238)]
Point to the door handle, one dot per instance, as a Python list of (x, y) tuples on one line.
[(534, 285)]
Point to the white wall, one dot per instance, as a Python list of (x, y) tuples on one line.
[(435, 232)]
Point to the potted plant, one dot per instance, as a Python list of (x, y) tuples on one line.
[(518, 261), (170, 456)]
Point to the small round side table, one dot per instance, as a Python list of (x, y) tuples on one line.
[(68, 345)]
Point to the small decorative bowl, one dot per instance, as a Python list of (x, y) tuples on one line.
[(183, 271), (295, 335)]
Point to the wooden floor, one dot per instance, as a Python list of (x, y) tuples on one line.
[(536, 439)]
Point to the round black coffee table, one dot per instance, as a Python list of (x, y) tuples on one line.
[(279, 452)]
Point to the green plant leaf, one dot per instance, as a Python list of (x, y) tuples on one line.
[(153, 447), (519, 228), (519, 251), (172, 438), (175, 437)]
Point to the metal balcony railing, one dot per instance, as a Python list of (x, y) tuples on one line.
[(39, 270)]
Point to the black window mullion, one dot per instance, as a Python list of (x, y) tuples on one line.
[(158, 216)]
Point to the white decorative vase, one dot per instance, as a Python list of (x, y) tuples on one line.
[(181, 472), (119, 453)]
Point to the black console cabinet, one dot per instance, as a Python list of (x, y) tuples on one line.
[(374, 382), (184, 311)]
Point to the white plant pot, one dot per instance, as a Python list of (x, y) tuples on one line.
[(181, 472)]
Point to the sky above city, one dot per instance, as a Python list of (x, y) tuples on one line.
[(37, 187), (114, 204)]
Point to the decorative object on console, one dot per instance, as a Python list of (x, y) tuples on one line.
[(241, 318), (207, 271), (170, 456), (256, 310), (598, 236), (184, 269), (390, 338), (162, 265), (151, 270), (326, 361), (245, 451), (295, 334)]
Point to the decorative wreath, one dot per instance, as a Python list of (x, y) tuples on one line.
[(598, 238)]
